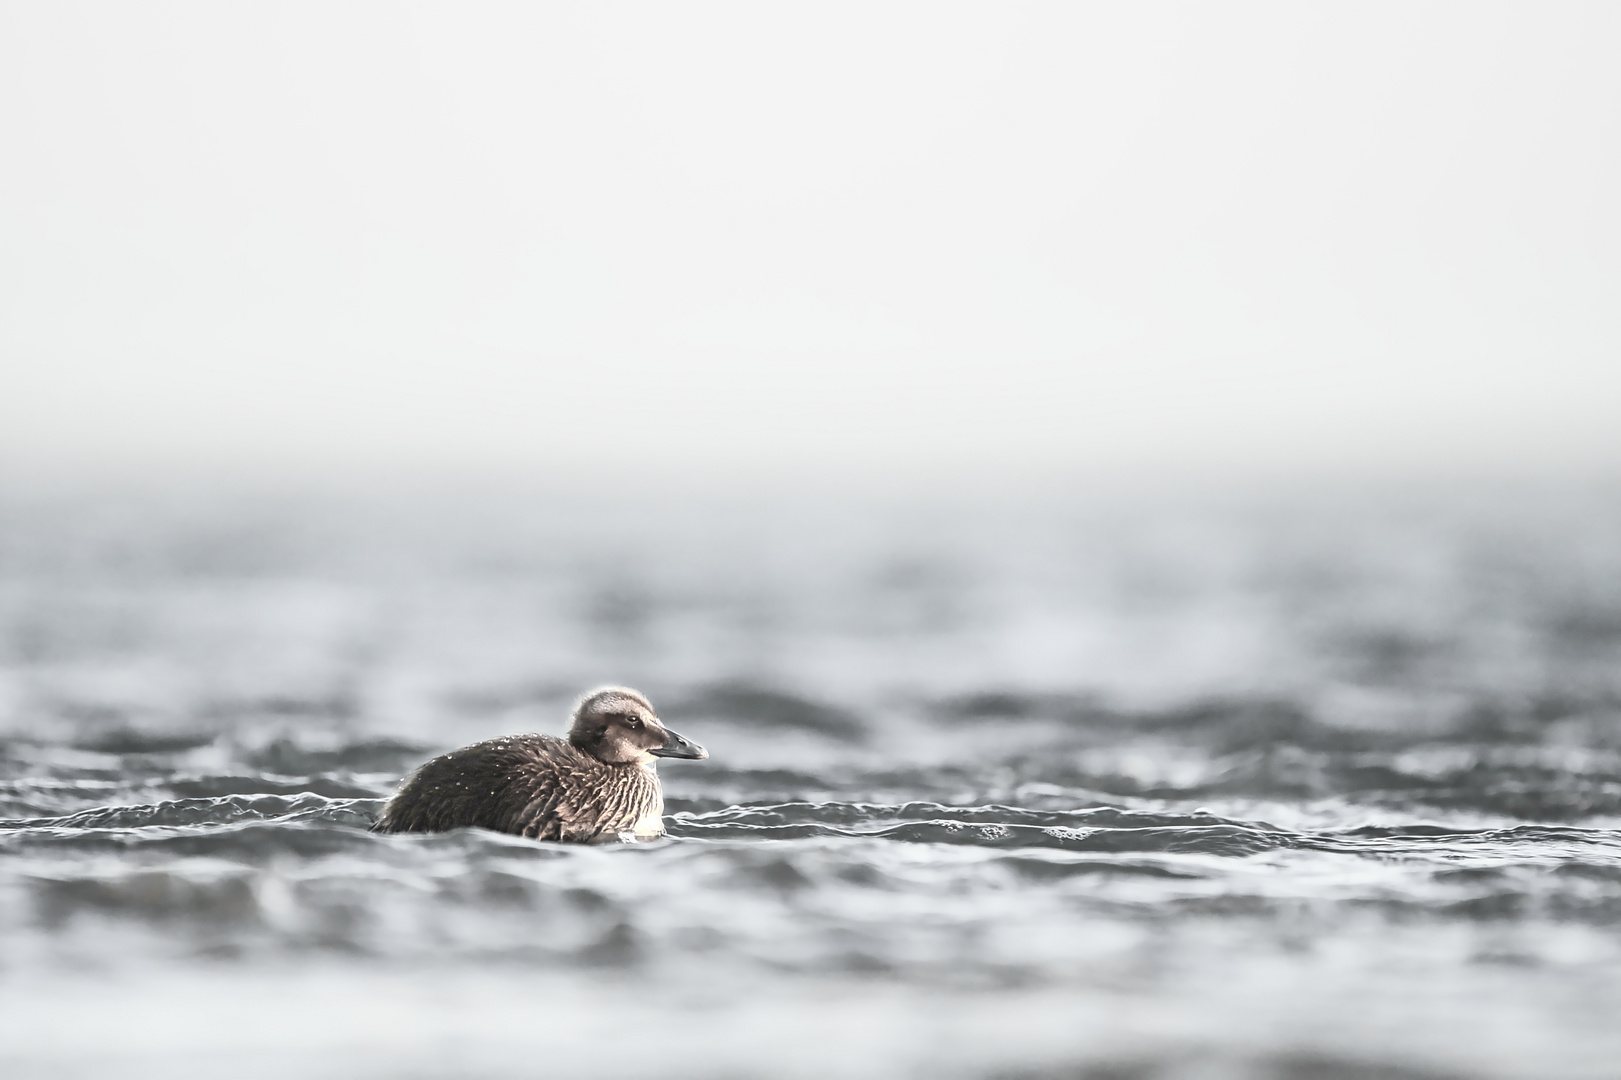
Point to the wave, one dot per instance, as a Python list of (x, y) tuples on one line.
[(223, 810), (911, 890), (995, 826), (255, 828)]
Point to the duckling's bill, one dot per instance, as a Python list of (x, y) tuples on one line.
[(679, 746)]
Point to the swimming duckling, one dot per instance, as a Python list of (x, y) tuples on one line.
[(600, 784)]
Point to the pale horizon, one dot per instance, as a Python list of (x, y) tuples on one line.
[(314, 243)]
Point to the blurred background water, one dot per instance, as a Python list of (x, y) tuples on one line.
[(1305, 785)]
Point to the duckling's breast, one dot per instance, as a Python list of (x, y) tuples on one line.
[(650, 826)]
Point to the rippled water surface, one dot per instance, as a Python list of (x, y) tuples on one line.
[(1283, 788)]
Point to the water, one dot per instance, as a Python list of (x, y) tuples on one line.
[(1290, 787)]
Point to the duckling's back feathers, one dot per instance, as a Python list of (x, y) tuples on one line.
[(529, 785)]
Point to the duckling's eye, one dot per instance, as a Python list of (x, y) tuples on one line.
[(634, 721)]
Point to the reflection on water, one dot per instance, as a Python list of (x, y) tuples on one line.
[(1310, 788)]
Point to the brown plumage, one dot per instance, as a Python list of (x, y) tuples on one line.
[(600, 784)]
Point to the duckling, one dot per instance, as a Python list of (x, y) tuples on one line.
[(601, 784)]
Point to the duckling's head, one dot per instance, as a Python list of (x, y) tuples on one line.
[(617, 726)]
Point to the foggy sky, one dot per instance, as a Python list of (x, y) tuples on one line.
[(809, 239)]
